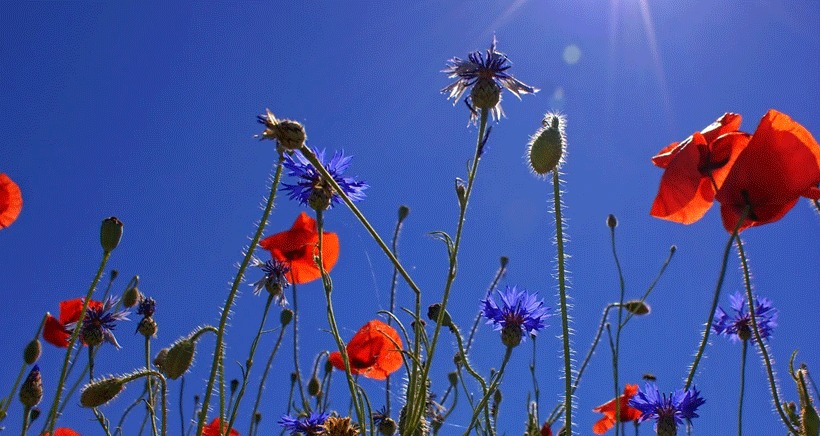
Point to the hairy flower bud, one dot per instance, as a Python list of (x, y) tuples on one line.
[(290, 135), (179, 358), (110, 233), (131, 297), (100, 392), (511, 335), (547, 147), (147, 327), (32, 352), (159, 359), (314, 388), (31, 392), (433, 314), (285, 317)]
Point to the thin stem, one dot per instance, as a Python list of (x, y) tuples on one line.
[(715, 299), (502, 269), (616, 351), (127, 411), (181, 408), (466, 362), (226, 310), (486, 397), (26, 420), (645, 295), (265, 375), (52, 414), (742, 387), (150, 400), (5, 403), (296, 369), (403, 210), (562, 292), (759, 339), (536, 390)]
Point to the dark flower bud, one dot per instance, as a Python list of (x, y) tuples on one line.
[(179, 358), (294, 377), (611, 221), (159, 360), (511, 335), (403, 212), (314, 388), (290, 135), (453, 378), (546, 148), (637, 307), (285, 317), (433, 314), (320, 196), (31, 392), (100, 392), (131, 297), (35, 413), (485, 94), (673, 249), (32, 352), (504, 260), (328, 367), (461, 191), (458, 359), (147, 327), (234, 385), (257, 418), (110, 233), (497, 397), (114, 274), (388, 427)]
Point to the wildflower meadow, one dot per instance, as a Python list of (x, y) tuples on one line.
[(437, 218)]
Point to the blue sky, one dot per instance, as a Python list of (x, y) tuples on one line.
[(148, 113)]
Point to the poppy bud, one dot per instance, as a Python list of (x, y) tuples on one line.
[(637, 307), (403, 212), (110, 233), (294, 377), (433, 313), (485, 94), (234, 385), (673, 249), (453, 378), (511, 335), (611, 221), (179, 358), (257, 418), (504, 260), (114, 274), (546, 147), (314, 388), (388, 427), (147, 327), (159, 360), (328, 366), (285, 317), (31, 392), (497, 397), (32, 352), (97, 393), (131, 297)]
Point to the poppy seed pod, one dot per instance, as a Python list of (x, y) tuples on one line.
[(100, 392), (32, 352), (547, 147), (179, 358), (31, 392), (110, 233), (611, 221)]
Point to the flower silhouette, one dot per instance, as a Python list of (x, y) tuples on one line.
[(11, 201), (297, 246), (608, 409), (55, 331), (374, 351)]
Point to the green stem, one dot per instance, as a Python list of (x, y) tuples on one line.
[(226, 310), (466, 362), (502, 269), (5, 403), (536, 390), (562, 291), (265, 375), (296, 369), (52, 414), (742, 387), (486, 397), (148, 387), (759, 340), (26, 416), (721, 276), (616, 351), (643, 298), (393, 284)]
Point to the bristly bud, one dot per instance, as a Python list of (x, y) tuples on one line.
[(485, 94), (321, 196), (511, 335), (497, 397), (453, 378), (179, 358), (147, 327), (31, 392), (547, 147), (403, 212), (388, 427), (314, 388), (131, 297), (159, 360), (285, 317), (110, 233), (289, 135), (433, 314), (637, 307), (611, 221), (32, 352), (234, 385), (100, 392), (328, 367)]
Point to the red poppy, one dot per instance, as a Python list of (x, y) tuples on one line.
[(11, 201), (55, 332), (372, 352), (546, 430), (63, 431), (608, 409), (297, 247), (695, 169), (780, 164), (213, 429)]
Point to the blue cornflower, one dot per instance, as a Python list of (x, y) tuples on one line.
[(147, 307), (275, 279), (311, 190), (305, 425), (99, 323), (668, 412), (486, 75), (738, 325), (519, 313)]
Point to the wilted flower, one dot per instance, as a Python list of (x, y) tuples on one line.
[(297, 246), (374, 351), (100, 322), (311, 425), (738, 325), (11, 201), (668, 412), (519, 314), (275, 279), (311, 189)]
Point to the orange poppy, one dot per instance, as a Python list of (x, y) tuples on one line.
[(63, 431), (297, 246), (11, 201), (780, 164), (213, 429), (374, 351), (54, 332), (608, 409), (695, 169)]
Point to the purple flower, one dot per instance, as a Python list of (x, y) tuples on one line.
[(492, 67), (275, 279), (305, 425), (518, 314), (147, 307), (668, 412), (311, 190), (99, 323), (737, 325)]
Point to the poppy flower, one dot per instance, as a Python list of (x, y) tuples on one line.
[(780, 164), (55, 331), (297, 246), (213, 429), (695, 168), (63, 431), (372, 352), (546, 430), (11, 201), (627, 413)]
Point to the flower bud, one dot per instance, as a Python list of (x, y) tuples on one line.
[(285, 317), (461, 192), (314, 388), (32, 352), (511, 335), (328, 367), (320, 196), (234, 385), (504, 260), (388, 427), (147, 327), (131, 297), (497, 397), (290, 135), (403, 212), (433, 314), (35, 413), (159, 360), (453, 378), (179, 358), (31, 392), (546, 148), (110, 233), (100, 392), (637, 307), (611, 221), (485, 94)]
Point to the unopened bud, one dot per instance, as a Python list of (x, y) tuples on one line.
[(97, 393), (504, 260), (32, 352), (147, 327), (234, 385), (257, 417), (611, 221), (285, 317), (452, 378), (179, 358), (131, 297), (35, 413), (314, 389), (637, 307), (114, 274), (547, 147), (290, 135), (328, 367), (433, 313), (110, 233), (461, 191), (31, 392), (403, 212), (159, 360), (388, 427), (294, 377), (497, 396)]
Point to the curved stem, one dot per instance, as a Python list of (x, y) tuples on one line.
[(498, 274), (393, 283), (617, 349), (486, 397), (645, 295), (562, 292), (466, 362), (226, 310), (742, 387), (265, 376)]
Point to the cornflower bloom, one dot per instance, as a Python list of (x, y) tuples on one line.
[(487, 75), (275, 279), (737, 325), (668, 412), (311, 190), (306, 425), (99, 323), (519, 314)]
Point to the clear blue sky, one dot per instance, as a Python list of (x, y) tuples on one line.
[(147, 113)]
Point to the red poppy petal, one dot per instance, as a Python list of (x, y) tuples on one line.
[(684, 195), (662, 159), (63, 431), (603, 425), (726, 150), (374, 351), (70, 309), (728, 122), (213, 429), (297, 247), (11, 201), (54, 333), (813, 193), (336, 360)]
